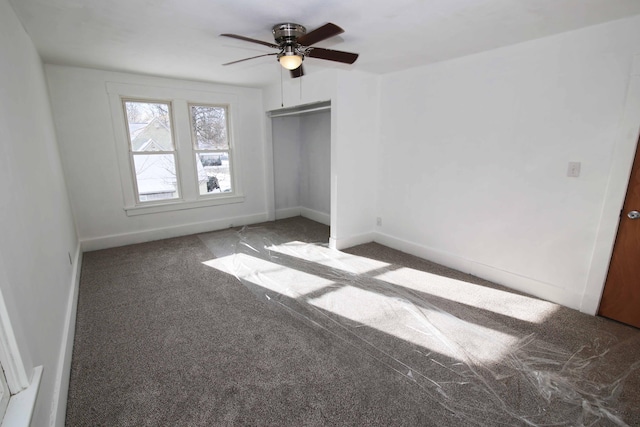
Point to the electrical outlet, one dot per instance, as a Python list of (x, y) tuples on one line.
[(573, 170), (379, 222)]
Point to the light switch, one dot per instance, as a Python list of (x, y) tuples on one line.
[(574, 169)]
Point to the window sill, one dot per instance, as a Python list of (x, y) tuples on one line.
[(177, 206), (22, 405)]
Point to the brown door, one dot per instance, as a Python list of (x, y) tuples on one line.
[(621, 296)]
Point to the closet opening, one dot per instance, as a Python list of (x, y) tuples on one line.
[(301, 148)]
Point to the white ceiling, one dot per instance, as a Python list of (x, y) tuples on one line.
[(180, 38)]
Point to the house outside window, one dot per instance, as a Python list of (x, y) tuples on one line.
[(175, 148), (152, 151)]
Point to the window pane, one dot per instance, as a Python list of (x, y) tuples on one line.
[(149, 126), (214, 172), (156, 176), (209, 127)]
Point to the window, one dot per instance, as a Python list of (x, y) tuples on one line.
[(152, 151), (18, 394), (4, 394), (212, 149), (175, 147)]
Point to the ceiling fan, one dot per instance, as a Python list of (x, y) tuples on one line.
[(294, 44)]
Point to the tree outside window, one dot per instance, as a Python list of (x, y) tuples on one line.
[(209, 125)]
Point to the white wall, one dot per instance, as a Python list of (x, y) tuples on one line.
[(317, 87), (355, 157), (86, 136), (302, 165), (354, 121), (286, 165), (315, 162), (36, 224), (474, 157)]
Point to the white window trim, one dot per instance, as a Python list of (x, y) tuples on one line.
[(22, 405), (150, 208), (4, 398), (23, 391), (132, 153), (10, 358), (189, 197), (231, 151)]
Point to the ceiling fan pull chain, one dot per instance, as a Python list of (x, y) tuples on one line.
[(281, 89)]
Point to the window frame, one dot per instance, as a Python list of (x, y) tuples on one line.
[(180, 99), (5, 394), (132, 153), (230, 150), (22, 390)]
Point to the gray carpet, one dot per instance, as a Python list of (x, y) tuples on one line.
[(265, 326)]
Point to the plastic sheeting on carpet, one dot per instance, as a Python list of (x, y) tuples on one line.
[(481, 352)]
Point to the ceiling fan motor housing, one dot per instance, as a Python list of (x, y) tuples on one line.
[(288, 33)]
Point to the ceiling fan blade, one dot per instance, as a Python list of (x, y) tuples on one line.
[(247, 39), (333, 55), (298, 72), (319, 34), (246, 59)]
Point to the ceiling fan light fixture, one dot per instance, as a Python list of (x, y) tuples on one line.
[(294, 44), (290, 60)]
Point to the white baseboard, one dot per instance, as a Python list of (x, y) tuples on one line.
[(547, 291), (317, 216), (347, 242), (287, 213), (591, 303), (116, 240), (63, 370)]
